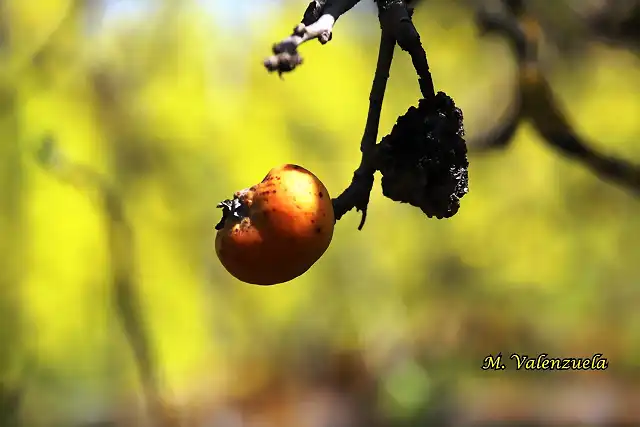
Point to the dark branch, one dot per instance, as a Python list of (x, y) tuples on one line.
[(534, 100), (610, 168), (501, 135), (505, 25), (423, 161), (395, 17), (357, 194), (313, 12), (550, 121)]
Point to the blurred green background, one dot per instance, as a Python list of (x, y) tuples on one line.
[(170, 103)]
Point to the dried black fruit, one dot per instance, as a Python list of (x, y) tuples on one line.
[(423, 160)]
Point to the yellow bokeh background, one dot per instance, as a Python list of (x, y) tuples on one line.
[(178, 113)]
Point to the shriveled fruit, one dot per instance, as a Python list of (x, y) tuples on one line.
[(276, 230)]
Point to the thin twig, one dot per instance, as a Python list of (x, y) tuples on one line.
[(317, 23), (433, 131), (357, 194), (396, 17)]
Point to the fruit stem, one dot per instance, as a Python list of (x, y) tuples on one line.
[(357, 194)]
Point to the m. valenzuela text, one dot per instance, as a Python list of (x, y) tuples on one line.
[(543, 362)]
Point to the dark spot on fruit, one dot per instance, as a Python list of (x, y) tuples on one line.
[(273, 191), (313, 221), (321, 194), (273, 209), (298, 207), (265, 214), (253, 188), (318, 230)]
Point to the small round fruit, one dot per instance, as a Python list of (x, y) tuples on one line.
[(276, 230)]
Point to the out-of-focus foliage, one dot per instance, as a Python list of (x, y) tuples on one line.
[(178, 113)]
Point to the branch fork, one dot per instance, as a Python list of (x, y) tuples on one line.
[(423, 160), (535, 101)]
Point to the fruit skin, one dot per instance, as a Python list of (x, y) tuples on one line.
[(276, 230)]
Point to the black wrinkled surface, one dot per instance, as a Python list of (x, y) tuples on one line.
[(423, 160)]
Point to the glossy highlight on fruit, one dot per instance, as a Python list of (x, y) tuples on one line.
[(276, 230)]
